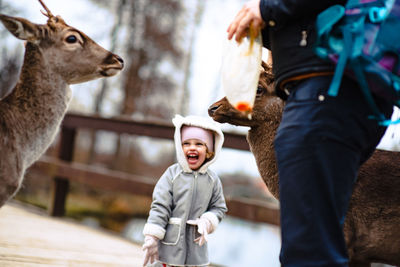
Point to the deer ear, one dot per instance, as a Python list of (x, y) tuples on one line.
[(20, 28)]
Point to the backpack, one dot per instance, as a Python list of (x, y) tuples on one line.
[(363, 39)]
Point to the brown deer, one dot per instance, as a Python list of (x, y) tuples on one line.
[(372, 225), (56, 55)]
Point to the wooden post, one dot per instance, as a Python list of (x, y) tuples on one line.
[(60, 185)]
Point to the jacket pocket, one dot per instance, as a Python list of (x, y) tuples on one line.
[(173, 231)]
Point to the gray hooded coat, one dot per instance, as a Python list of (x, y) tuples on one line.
[(182, 194)]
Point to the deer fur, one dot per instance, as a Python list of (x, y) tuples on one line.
[(56, 55), (372, 224)]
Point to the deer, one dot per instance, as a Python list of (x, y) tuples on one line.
[(372, 224), (56, 56)]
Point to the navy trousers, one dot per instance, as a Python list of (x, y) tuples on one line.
[(320, 144)]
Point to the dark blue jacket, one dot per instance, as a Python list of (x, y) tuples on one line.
[(290, 35)]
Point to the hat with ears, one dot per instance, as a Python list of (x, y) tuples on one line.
[(193, 132)]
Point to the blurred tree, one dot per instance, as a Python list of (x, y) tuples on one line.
[(160, 39), (198, 13), (99, 98), (117, 7)]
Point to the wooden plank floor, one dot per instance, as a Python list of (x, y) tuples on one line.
[(30, 238)]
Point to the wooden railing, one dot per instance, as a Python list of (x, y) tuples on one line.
[(63, 169)]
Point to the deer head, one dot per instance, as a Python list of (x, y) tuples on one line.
[(70, 53), (265, 107)]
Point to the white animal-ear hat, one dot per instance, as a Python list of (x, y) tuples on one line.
[(194, 132)]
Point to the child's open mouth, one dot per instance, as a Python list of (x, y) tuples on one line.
[(192, 158)]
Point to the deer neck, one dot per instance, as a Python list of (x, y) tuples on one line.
[(39, 86), (261, 141), (35, 107)]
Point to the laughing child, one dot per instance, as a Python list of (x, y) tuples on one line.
[(188, 202)]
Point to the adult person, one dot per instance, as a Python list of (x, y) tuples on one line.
[(321, 141)]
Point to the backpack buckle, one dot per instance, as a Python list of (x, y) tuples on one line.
[(377, 14)]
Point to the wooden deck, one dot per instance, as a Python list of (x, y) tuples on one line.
[(31, 238)]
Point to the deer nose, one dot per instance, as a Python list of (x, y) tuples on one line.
[(120, 60), (212, 109)]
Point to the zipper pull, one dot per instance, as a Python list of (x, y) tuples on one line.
[(303, 41)]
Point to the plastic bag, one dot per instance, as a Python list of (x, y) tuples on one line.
[(240, 71)]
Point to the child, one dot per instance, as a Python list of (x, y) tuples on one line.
[(188, 202)]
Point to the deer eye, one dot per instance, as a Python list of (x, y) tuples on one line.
[(260, 90), (71, 39)]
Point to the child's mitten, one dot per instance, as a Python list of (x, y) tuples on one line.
[(204, 227), (150, 247)]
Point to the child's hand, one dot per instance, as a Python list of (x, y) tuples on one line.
[(203, 228), (150, 247)]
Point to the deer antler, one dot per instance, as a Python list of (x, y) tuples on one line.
[(49, 14)]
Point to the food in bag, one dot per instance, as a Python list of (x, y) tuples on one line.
[(240, 71)]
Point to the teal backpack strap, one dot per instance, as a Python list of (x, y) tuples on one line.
[(341, 64), (324, 23), (328, 18), (358, 72), (353, 37)]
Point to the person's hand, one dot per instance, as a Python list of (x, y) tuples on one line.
[(204, 227), (249, 15), (150, 247)]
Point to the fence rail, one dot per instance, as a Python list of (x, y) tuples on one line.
[(63, 169)]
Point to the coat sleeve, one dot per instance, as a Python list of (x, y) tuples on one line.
[(160, 210), (217, 207), (277, 12)]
